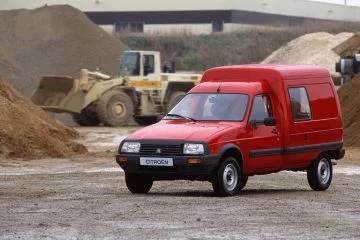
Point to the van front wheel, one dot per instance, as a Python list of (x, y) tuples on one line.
[(319, 174), (227, 181), (138, 184)]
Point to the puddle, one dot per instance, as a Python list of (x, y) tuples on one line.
[(103, 138), (349, 170), (69, 170)]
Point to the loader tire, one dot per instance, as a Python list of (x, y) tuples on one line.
[(115, 109), (174, 99), (144, 121), (82, 119), (86, 119)]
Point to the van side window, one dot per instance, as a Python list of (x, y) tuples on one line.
[(148, 64), (261, 108), (299, 101)]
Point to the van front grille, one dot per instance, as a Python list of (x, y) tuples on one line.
[(156, 149)]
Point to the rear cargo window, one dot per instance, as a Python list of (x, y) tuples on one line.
[(299, 101)]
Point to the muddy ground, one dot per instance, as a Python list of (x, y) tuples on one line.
[(85, 197)]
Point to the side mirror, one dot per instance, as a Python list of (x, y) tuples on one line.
[(270, 121)]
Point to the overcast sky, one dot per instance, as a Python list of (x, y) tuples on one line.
[(349, 2)]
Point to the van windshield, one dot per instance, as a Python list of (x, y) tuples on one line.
[(211, 107)]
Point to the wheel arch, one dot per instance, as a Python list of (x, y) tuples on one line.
[(130, 91), (333, 154), (232, 150)]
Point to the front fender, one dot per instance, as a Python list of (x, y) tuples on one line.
[(231, 149)]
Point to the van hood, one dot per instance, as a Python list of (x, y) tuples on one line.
[(183, 130)]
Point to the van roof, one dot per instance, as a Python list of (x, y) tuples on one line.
[(263, 71)]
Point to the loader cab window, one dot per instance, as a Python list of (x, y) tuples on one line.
[(130, 64), (148, 62)]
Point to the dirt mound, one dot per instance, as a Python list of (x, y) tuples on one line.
[(29, 132), (312, 48), (350, 106), (52, 40)]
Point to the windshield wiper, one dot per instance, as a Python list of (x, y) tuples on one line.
[(180, 116)]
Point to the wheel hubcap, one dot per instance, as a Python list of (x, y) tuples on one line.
[(230, 177), (119, 109), (324, 171)]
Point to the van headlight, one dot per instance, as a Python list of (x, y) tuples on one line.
[(130, 147), (193, 148)]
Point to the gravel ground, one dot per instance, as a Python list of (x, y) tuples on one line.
[(86, 198)]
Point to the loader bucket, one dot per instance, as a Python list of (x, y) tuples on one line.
[(59, 94), (349, 47)]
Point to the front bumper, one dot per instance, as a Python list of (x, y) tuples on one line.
[(181, 169)]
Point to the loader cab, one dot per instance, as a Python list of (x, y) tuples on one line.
[(140, 65)]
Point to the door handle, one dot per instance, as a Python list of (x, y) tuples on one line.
[(274, 131)]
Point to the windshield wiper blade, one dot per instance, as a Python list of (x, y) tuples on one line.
[(180, 116)]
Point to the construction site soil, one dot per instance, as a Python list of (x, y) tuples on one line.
[(350, 106), (52, 40), (28, 132), (85, 197)]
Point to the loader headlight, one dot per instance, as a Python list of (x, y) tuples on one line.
[(193, 148), (130, 147)]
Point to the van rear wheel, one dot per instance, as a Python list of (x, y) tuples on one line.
[(228, 180), (137, 183), (115, 108), (319, 174)]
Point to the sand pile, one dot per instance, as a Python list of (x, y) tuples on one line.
[(29, 132), (350, 106), (312, 48), (52, 40)]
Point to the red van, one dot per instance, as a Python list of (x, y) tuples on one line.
[(238, 122)]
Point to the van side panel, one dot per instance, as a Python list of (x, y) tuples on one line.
[(323, 102), (306, 139)]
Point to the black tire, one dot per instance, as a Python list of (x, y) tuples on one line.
[(174, 99), (138, 184), (243, 182), (144, 121), (115, 109), (319, 174), (227, 180), (84, 119)]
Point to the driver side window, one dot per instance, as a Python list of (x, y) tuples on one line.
[(261, 108)]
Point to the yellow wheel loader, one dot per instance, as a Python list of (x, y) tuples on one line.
[(141, 91)]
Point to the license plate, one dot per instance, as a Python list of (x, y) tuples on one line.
[(154, 161)]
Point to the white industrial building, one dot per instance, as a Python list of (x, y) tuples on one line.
[(197, 16)]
